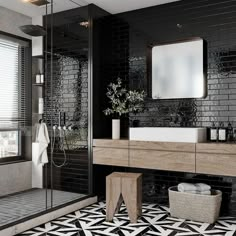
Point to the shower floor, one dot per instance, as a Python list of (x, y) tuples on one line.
[(24, 204)]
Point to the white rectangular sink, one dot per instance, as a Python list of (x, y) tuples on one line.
[(169, 134)]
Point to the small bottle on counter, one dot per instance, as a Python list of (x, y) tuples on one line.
[(222, 133), (213, 133), (41, 78), (234, 134), (38, 78), (40, 106), (230, 133)]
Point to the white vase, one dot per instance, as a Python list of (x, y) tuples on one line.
[(116, 129)]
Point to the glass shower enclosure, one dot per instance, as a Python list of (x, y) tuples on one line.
[(66, 97), (66, 92)]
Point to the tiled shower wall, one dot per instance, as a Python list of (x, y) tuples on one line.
[(70, 95)]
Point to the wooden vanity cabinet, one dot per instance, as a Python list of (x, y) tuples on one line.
[(202, 158), (162, 156), (110, 152), (216, 159), (141, 154)]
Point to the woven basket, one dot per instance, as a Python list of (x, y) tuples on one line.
[(196, 207)]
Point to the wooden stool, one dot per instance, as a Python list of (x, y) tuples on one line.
[(125, 187)]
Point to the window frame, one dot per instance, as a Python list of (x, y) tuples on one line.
[(21, 140)]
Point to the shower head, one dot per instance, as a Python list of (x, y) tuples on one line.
[(33, 30), (38, 2)]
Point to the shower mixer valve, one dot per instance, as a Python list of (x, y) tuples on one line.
[(69, 127), (62, 123)]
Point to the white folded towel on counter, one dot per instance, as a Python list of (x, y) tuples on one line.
[(199, 187)]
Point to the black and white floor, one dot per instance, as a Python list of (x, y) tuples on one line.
[(155, 220)]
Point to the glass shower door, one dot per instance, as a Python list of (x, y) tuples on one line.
[(67, 108)]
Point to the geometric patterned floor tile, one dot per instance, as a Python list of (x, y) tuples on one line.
[(155, 221)]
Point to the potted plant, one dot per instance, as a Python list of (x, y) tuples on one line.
[(118, 99), (122, 102), (136, 104)]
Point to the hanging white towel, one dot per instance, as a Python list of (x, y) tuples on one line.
[(42, 138)]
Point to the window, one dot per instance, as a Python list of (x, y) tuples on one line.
[(9, 144), (13, 95)]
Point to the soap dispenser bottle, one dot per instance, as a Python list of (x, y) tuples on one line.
[(41, 78), (38, 78), (222, 133), (40, 106), (213, 133), (230, 133)]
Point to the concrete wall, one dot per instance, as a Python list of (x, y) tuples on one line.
[(11, 20), (37, 42), (15, 177)]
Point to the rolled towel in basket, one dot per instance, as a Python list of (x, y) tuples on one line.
[(202, 187), (202, 193), (187, 187)]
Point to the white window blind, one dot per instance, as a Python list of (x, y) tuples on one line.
[(15, 95), (13, 104)]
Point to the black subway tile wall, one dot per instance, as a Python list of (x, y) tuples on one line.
[(214, 22), (133, 32), (70, 97), (130, 35), (68, 100)]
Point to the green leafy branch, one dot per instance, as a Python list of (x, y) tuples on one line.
[(123, 101)]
